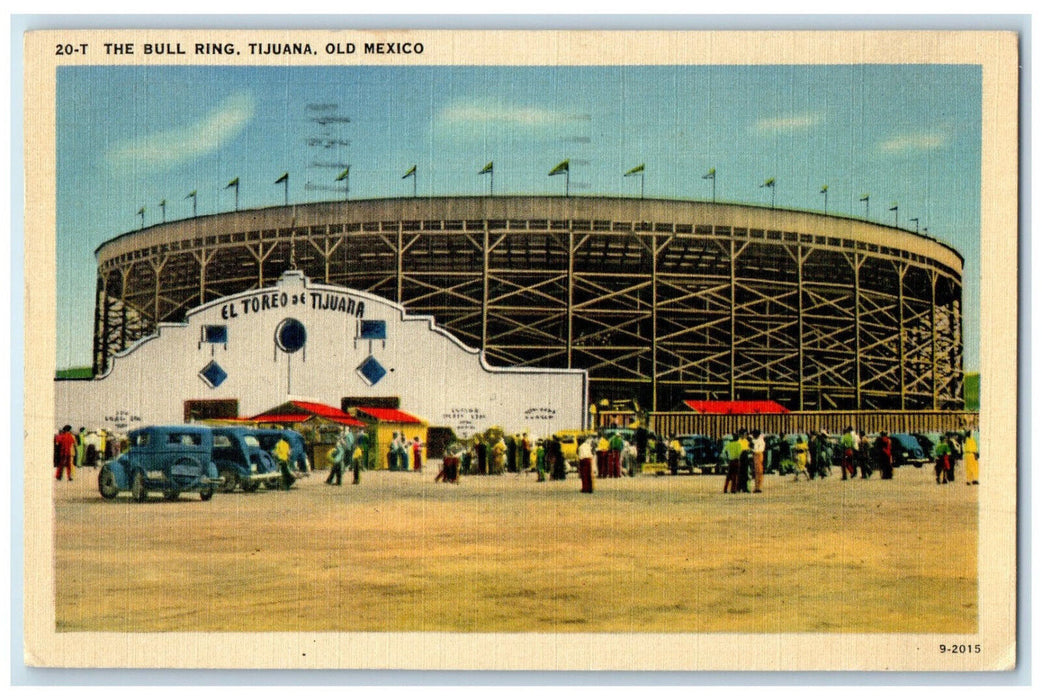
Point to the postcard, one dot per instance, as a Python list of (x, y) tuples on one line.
[(521, 350)]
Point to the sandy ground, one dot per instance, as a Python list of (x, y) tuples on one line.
[(503, 553)]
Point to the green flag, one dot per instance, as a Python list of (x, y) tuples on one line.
[(632, 171), (233, 183), (824, 189), (894, 208), (141, 211), (163, 203), (190, 194), (768, 183), (486, 169), (283, 178), (411, 171), (561, 167), (344, 174), (864, 198), (711, 175)]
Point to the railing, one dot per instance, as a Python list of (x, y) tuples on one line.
[(834, 422)]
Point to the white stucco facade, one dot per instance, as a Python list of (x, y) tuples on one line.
[(432, 373)]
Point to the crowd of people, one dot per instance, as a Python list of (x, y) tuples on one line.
[(608, 454)]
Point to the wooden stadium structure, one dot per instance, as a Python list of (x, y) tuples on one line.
[(660, 300)]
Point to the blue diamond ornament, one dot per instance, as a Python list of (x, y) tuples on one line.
[(371, 371), (213, 374)]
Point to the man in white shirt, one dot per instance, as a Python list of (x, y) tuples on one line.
[(759, 446), (585, 454)]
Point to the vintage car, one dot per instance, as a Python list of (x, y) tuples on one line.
[(169, 459), (298, 456), (905, 449), (241, 460), (701, 452)]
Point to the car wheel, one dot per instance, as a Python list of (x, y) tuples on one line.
[(231, 480), (272, 484), (206, 494), (137, 487), (171, 495), (107, 485), (250, 486)]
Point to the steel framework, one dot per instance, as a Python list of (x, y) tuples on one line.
[(660, 300)]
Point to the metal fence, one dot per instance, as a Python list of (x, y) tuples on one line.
[(687, 422)]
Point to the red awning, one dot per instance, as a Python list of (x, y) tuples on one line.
[(389, 415), (281, 418), (736, 407), (310, 409)]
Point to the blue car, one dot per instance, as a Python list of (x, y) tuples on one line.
[(298, 456), (905, 449), (241, 460), (169, 459)]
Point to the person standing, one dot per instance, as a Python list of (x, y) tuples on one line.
[(481, 452), (673, 455), (585, 454), (745, 463), (615, 446), (417, 454), (971, 456), (64, 452), (603, 445), (864, 455), (81, 447), (281, 454), (510, 455), (884, 456), (640, 441), (540, 460), (341, 454), (629, 459), (758, 445), (732, 452), (526, 453), (802, 458), (848, 443), (499, 456), (555, 460), (941, 467)]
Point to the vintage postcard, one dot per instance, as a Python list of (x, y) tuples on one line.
[(548, 350)]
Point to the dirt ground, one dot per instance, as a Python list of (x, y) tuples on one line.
[(506, 553)]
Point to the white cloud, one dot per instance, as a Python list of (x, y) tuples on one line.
[(910, 142), (166, 149), (804, 120), (477, 113)]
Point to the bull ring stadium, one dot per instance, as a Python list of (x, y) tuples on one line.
[(659, 301)]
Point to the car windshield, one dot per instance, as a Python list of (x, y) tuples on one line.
[(251, 440)]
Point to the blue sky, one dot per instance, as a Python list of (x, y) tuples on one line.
[(130, 137)]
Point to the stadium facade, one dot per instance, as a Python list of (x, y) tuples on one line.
[(659, 300)]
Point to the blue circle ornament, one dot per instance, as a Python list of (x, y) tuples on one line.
[(290, 335)]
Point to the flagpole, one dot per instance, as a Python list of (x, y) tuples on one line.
[(192, 195), (865, 200), (916, 220), (162, 207), (825, 191), (711, 175), (894, 209), (141, 213)]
